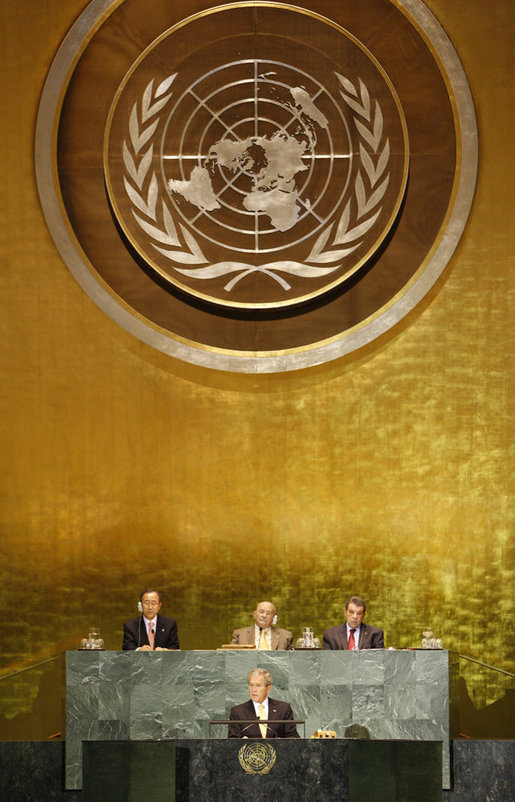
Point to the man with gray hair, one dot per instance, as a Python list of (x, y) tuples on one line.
[(274, 715)]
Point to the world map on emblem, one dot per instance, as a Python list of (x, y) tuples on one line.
[(259, 174)]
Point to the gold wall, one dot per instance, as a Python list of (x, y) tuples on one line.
[(387, 475)]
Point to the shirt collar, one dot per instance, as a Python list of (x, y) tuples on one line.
[(256, 706)]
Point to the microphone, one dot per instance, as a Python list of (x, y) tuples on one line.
[(248, 727), (236, 728), (251, 723), (258, 722)]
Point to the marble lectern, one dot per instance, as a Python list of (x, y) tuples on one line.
[(135, 696), (232, 770)]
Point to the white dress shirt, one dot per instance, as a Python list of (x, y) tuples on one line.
[(265, 705)]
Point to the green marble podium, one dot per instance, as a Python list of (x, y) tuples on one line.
[(314, 770), (157, 696)]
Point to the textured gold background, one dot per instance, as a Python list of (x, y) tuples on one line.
[(387, 476)]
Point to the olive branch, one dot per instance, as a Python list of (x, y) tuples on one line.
[(138, 162), (368, 120)]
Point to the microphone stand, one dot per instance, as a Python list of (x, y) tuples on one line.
[(250, 722)]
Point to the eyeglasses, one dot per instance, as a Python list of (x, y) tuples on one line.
[(150, 603)]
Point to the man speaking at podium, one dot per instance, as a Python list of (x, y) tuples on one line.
[(150, 632), (260, 707), (263, 634)]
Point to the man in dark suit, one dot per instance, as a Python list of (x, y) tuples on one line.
[(150, 632), (261, 708), (263, 634), (354, 634)]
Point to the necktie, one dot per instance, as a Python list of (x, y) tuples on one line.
[(262, 716), (151, 635), (263, 642), (352, 643)]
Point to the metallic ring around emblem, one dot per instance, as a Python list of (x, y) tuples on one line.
[(324, 327)]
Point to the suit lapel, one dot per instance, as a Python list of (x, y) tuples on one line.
[(252, 712), (343, 636), (275, 639), (143, 633), (362, 636), (272, 709), (253, 731), (273, 714)]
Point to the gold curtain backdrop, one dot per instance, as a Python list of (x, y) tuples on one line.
[(388, 475)]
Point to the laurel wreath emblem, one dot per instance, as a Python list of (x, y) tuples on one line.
[(257, 758), (359, 215), (374, 161)]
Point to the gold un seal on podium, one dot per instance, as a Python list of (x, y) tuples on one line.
[(257, 758)]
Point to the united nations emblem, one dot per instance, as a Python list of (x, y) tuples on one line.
[(257, 758), (256, 183), (255, 186)]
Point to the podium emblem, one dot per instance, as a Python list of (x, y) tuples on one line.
[(257, 758)]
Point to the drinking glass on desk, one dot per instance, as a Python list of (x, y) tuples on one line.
[(308, 640), (93, 642), (427, 638), (308, 636)]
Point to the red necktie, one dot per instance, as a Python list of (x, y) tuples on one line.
[(151, 635), (351, 643)]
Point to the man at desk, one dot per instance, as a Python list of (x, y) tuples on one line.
[(150, 632), (354, 634), (263, 634), (274, 715)]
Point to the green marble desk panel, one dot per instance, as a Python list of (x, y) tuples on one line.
[(173, 695), (310, 770)]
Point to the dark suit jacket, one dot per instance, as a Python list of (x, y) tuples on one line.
[(369, 637), (276, 710), (281, 638), (135, 633)]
